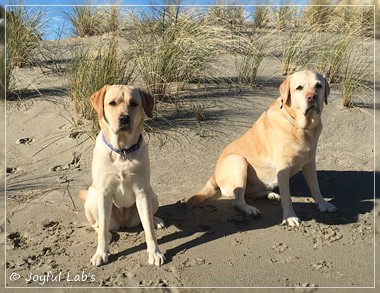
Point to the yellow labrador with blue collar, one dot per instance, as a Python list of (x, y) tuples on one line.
[(120, 194), (282, 142)]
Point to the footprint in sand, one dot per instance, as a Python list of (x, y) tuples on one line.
[(25, 140), (11, 170)]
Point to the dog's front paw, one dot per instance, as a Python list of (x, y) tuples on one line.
[(291, 221), (156, 258), (99, 258), (325, 207), (158, 223)]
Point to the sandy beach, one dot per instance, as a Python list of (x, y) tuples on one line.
[(48, 242)]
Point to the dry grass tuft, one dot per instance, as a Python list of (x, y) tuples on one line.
[(171, 47), (92, 20), (174, 51), (23, 31), (356, 77), (252, 49), (91, 70)]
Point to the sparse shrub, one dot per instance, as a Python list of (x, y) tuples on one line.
[(91, 70)]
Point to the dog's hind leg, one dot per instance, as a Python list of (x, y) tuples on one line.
[(231, 177)]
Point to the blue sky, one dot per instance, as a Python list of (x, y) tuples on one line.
[(56, 22), (148, 2)]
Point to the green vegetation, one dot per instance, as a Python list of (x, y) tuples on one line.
[(23, 33), (171, 49), (92, 20), (91, 70)]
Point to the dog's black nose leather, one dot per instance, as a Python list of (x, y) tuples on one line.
[(124, 119)]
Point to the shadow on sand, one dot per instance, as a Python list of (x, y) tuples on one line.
[(352, 192)]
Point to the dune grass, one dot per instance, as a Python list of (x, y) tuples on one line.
[(91, 70), (355, 78), (177, 51), (24, 28), (23, 32), (252, 50), (296, 49), (90, 21), (323, 42), (171, 47), (260, 15)]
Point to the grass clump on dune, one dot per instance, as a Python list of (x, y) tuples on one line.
[(23, 33), (180, 49), (93, 20), (91, 70)]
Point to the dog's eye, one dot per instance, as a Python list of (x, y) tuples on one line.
[(299, 88), (133, 104), (318, 85), (112, 103)]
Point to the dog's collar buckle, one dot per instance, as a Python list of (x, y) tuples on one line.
[(123, 152)]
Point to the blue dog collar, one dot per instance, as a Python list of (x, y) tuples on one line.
[(123, 152)]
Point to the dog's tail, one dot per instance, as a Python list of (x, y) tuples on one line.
[(83, 195), (206, 192)]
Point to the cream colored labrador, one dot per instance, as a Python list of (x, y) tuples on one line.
[(120, 194), (282, 142)]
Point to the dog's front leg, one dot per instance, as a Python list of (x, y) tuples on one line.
[(310, 173), (144, 208), (289, 215), (104, 207)]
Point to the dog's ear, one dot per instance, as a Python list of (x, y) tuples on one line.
[(147, 103), (285, 89), (327, 89), (97, 101)]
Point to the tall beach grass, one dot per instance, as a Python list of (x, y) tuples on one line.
[(93, 20), (177, 52), (94, 68), (23, 35)]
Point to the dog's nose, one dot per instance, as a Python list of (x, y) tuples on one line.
[(124, 119), (311, 97)]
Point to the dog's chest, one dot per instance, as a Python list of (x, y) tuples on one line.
[(301, 151), (293, 156), (131, 178)]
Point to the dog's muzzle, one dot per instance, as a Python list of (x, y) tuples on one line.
[(124, 122), (312, 107)]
